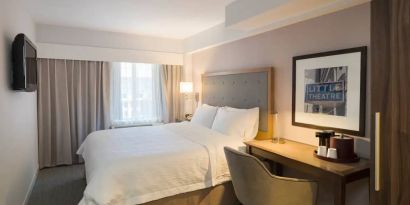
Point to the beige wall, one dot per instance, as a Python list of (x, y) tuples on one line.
[(18, 114), (344, 29), (348, 28)]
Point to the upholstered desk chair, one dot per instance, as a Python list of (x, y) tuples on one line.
[(255, 185)]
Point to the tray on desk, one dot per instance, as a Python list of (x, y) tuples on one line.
[(355, 159)]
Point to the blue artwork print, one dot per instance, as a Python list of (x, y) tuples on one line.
[(325, 91)]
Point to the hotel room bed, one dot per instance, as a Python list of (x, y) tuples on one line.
[(178, 163), (142, 164)]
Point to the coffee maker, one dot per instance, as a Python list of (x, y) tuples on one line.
[(324, 137)]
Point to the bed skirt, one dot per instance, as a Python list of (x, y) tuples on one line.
[(222, 194)]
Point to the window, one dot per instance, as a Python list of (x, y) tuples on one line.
[(135, 94)]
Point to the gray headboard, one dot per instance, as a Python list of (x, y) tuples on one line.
[(242, 89)]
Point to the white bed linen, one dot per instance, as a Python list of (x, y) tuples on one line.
[(137, 165)]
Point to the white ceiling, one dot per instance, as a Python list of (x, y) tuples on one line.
[(177, 19)]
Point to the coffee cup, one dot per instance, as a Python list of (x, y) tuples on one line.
[(332, 153), (321, 151)]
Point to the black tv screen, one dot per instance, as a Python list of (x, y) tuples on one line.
[(24, 64)]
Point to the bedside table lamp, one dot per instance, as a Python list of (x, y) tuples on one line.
[(186, 88)]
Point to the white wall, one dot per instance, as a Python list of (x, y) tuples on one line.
[(82, 44), (292, 12), (75, 52), (105, 39), (18, 114)]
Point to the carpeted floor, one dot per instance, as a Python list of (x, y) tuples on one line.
[(59, 186)]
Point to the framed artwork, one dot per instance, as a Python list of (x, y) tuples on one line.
[(329, 90)]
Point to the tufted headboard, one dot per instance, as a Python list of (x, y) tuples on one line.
[(242, 89)]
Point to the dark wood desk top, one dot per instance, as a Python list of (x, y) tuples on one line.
[(304, 153)]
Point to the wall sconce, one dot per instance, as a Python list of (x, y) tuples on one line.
[(187, 89)]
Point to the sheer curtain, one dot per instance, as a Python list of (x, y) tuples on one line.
[(136, 94)]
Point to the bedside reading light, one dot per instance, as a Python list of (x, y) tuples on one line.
[(187, 89)]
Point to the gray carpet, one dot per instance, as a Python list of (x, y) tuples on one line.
[(59, 185)]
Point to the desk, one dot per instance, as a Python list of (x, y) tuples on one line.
[(300, 157)]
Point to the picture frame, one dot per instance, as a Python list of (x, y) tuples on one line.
[(329, 90)]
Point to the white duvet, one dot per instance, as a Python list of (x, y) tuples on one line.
[(138, 165)]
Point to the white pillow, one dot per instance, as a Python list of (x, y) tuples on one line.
[(253, 120), (204, 115), (237, 122)]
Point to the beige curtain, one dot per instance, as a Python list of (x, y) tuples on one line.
[(73, 101), (171, 76)]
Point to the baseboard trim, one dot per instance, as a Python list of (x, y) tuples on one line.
[(30, 188)]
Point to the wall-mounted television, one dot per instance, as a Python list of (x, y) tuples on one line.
[(24, 64)]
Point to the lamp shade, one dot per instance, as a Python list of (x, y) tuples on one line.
[(185, 87)]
